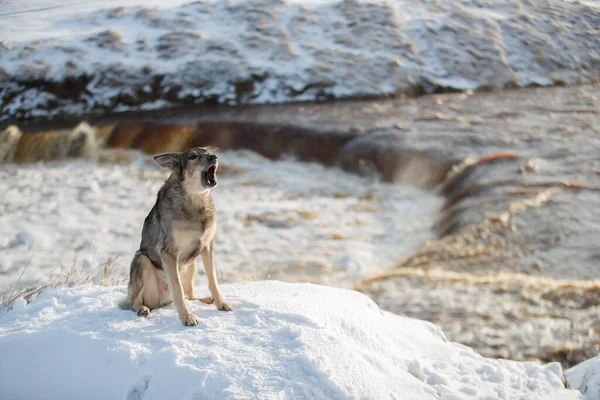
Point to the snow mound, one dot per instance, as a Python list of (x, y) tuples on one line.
[(281, 341), (585, 377), (109, 55)]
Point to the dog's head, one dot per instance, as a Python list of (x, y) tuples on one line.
[(197, 167)]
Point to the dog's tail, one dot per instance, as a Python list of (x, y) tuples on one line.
[(125, 304)]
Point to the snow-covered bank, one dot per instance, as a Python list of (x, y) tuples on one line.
[(281, 220), (64, 57), (282, 341), (585, 377)]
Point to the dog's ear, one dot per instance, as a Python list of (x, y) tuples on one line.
[(210, 149), (170, 160)]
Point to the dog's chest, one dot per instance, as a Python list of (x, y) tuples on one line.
[(189, 239)]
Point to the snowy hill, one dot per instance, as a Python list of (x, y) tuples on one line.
[(281, 341), (114, 55)]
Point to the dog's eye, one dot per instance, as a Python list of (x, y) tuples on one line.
[(193, 157)]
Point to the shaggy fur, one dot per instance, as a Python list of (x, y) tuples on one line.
[(180, 227)]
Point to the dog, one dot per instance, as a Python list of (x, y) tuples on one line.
[(180, 227)]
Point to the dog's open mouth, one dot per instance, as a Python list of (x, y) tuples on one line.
[(210, 176)]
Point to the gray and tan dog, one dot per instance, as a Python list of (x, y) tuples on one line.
[(179, 228)]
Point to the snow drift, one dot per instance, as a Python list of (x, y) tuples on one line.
[(66, 58), (281, 341), (585, 377)]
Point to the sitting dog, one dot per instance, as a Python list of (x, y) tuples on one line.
[(179, 228)]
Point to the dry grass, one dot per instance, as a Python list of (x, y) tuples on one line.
[(270, 219), (507, 280), (334, 236), (369, 196), (341, 195), (361, 207), (104, 274), (309, 264), (279, 220), (109, 39), (571, 355), (310, 215)]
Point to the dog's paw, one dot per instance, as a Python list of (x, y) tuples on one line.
[(189, 319), (143, 311), (223, 305)]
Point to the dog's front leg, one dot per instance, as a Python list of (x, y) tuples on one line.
[(171, 267), (208, 259), (188, 281)]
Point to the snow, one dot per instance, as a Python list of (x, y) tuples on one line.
[(280, 219), (276, 51), (282, 340), (585, 377)]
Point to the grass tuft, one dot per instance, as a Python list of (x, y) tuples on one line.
[(104, 274)]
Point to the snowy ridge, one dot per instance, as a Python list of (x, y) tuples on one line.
[(63, 58), (281, 341)]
